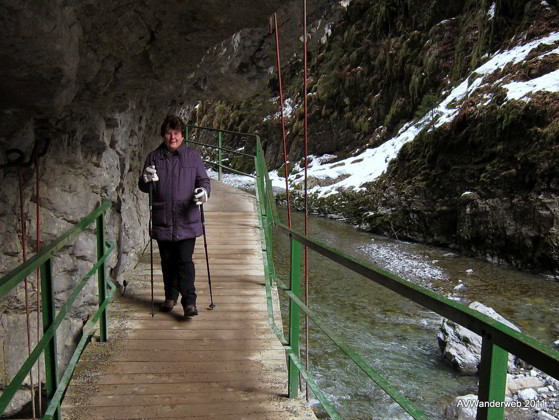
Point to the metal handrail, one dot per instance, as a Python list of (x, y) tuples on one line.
[(51, 321), (228, 168), (270, 220), (188, 126), (220, 149), (530, 350)]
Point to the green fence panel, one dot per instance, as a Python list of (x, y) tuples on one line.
[(51, 321), (294, 318)]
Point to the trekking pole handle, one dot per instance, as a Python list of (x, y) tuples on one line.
[(151, 189)]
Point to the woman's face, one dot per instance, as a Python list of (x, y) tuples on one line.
[(173, 139)]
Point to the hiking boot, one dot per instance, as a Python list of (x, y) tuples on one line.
[(167, 305), (190, 310)]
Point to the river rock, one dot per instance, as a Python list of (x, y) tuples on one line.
[(542, 415), (461, 347), (556, 344), (19, 400), (524, 382), (462, 408), (527, 394)]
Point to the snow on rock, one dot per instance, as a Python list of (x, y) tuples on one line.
[(354, 171)]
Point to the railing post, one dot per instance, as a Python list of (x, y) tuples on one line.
[(294, 318), (186, 135), (49, 314), (220, 154), (258, 149), (492, 380), (101, 284)]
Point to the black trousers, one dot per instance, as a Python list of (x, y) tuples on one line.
[(178, 269)]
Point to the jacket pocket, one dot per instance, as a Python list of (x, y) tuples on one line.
[(187, 213), (159, 214)]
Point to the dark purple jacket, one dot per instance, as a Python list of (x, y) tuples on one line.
[(175, 215)]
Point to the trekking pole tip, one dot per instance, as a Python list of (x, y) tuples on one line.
[(212, 305)]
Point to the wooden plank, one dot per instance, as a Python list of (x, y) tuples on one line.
[(208, 324), (205, 344), (272, 405), (202, 283), (188, 367), (245, 384), (256, 416), (240, 301), (222, 306), (222, 271), (192, 355), (199, 334), (192, 396), (167, 378), (216, 291), (217, 314), (158, 278)]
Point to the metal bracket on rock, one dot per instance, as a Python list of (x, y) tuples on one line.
[(16, 157)]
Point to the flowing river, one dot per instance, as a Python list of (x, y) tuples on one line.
[(397, 337)]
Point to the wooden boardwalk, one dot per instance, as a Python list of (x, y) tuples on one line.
[(222, 364)]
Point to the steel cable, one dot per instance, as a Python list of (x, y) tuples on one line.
[(24, 253), (306, 133), (16, 158), (283, 132), (37, 274)]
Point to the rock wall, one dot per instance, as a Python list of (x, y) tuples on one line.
[(96, 78)]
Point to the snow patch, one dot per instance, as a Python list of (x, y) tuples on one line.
[(491, 11), (238, 181), (548, 82), (327, 33), (288, 108)]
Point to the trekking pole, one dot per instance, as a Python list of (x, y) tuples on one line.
[(151, 241), (212, 305)]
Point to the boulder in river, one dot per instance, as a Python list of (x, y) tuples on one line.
[(462, 408), (462, 347)]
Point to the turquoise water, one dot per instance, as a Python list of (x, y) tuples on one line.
[(399, 338)]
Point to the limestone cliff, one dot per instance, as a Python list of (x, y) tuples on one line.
[(385, 65)]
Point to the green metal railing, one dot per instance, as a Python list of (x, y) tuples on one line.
[(51, 321), (497, 339), (219, 147)]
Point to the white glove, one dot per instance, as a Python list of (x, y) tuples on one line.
[(150, 174), (200, 196)]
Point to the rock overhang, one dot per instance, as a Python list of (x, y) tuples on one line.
[(68, 57)]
